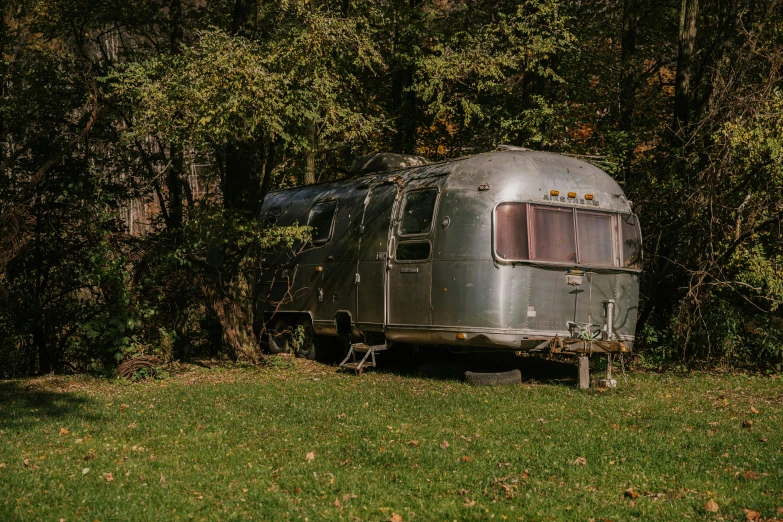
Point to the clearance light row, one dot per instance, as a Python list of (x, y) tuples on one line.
[(572, 195)]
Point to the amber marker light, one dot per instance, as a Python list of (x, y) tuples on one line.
[(461, 336), (572, 194), (554, 192), (588, 196), (319, 269)]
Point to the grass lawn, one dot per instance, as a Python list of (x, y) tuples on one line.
[(304, 442)]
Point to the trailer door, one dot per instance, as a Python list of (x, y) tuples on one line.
[(373, 254), (410, 273)]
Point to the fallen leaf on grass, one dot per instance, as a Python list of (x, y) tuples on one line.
[(630, 493), (90, 455), (26, 463), (580, 461), (414, 443), (444, 444), (780, 510), (469, 503), (337, 502), (711, 506), (64, 432), (747, 424), (108, 477), (752, 516), (615, 427), (85, 471), (465, 458), (132, 425), (341, 415), (751, 475), (396, 517), (348, 496), (310, 456), (123, 407), (754, 410), (525, 474)]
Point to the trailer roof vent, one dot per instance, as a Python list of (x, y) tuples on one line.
[(385, 161), (510, 148)]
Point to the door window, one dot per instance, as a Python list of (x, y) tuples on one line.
[(413, 251), (322, 220), (417, 212)]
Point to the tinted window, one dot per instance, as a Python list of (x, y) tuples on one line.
[(417, 212), (321, 219), (413, 251), (553, 234), (595, 238), (631, 241), (511, 231)]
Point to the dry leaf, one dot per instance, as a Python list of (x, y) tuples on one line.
[(348, 496), (747, 424), (85, 471), (414, 443), (465, 458), (444, 444), (132, 425), (780, 510), (615, 427), (310, 456), (396, 517), (752, 516), (751, 475), (525, 474), (108, 477), (64, 432), (341, 415), (123, 407), (711, 506), (469, 503), (580, 461), (26, 462), (630, 493), (754, 410), (90, 455), (336, 502)]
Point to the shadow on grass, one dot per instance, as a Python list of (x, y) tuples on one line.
[(440, 364), (22, 406)]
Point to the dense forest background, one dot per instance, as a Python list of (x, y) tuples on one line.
[(187, 112)]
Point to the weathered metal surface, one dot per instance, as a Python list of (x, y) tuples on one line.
[(461, 287)]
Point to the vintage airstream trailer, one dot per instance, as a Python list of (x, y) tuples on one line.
[(513, 249)]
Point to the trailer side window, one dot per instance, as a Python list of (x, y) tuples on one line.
[(594, 232), (417, 212), (413, 251), (322, 220), (553, 234), (511, 231), (631, 241)]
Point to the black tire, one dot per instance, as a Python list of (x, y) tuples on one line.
[(484, 379), (309, 348), (278, 337)]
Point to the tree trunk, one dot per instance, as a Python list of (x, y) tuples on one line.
[(682, 88), (627, 53), (309, 173)]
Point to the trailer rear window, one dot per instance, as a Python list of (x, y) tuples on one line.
[(631, 241), (418, 211), (322, 220), (553, 234), (569, 236)]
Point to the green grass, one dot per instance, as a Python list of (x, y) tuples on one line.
[(233, 444)]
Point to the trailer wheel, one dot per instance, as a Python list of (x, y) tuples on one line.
[(310, 341), (278, 337), (483, 379)]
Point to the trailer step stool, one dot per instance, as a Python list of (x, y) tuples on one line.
[(367, 361)]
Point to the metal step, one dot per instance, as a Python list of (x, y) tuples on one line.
[(367, 361), (361, 347)]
